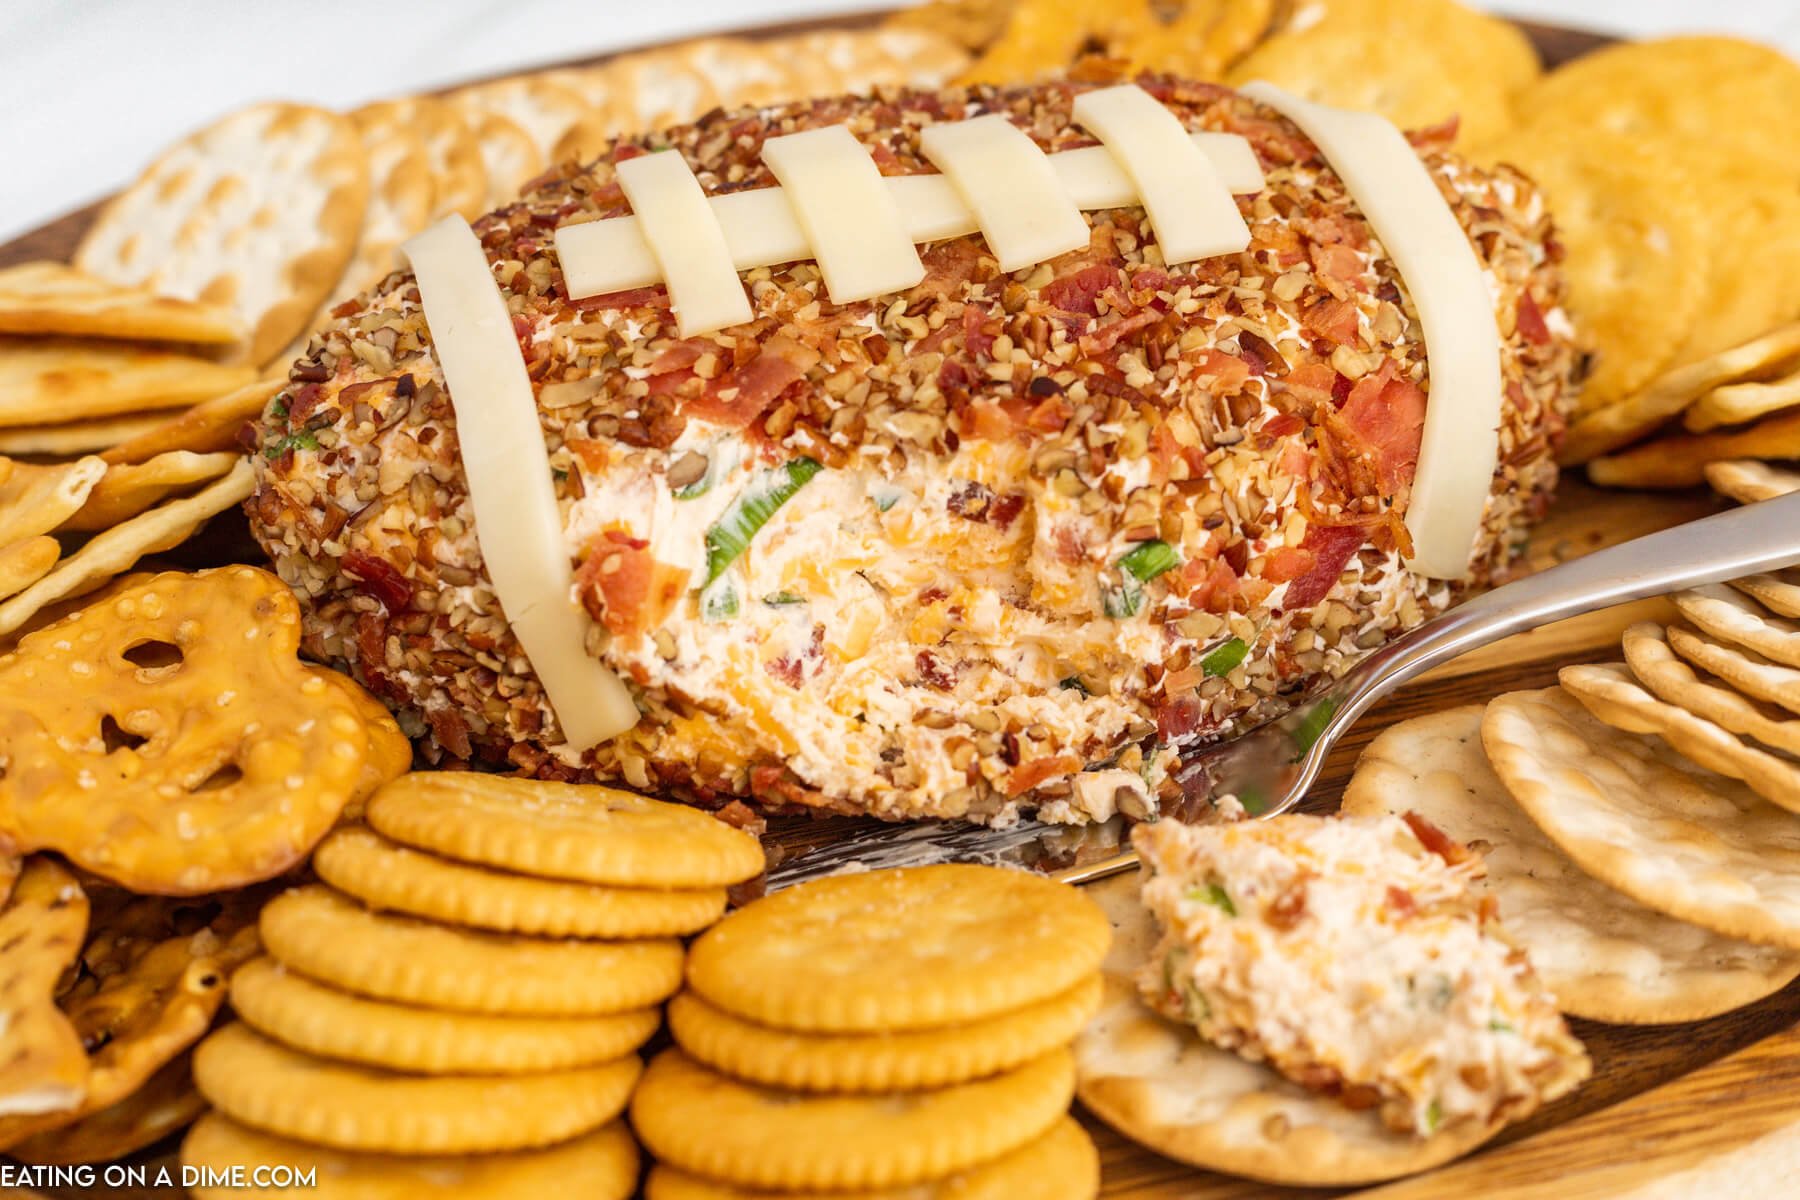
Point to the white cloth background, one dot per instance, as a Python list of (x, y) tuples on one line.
[(89, 89)]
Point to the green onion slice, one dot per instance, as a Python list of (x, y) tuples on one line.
[(1214, 895), (1224, 658), (718, 601), (730, 535), (1147, 560)]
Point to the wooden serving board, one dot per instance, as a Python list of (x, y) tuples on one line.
[(1701, 1109)]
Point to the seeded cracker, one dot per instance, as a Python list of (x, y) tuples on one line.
[(1610, 693), (719, 1128), (564, 831), (54, 298), (311, 1017), (169, 739), (1749, 481), (1159, 1084), (1636, 814), (387, 875), (259, 211), (43, 1067), (602, 1165), (879, 1062), (331, 938), (899, 949), (1606, 957), (262, 1084), (1061, 1165)]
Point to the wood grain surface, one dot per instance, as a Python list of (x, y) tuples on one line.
[(1671, 1112)]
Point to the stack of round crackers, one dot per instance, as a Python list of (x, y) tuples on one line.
[(872, 1032), (456, 1007)]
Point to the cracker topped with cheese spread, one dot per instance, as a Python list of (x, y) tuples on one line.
[(1352, 956)]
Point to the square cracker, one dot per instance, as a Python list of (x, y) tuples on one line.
[(44, 380), (53, 297), (259, 211)]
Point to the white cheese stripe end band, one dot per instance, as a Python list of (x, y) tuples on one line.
[(517, 523), (1190, 207), (1461, 443), (685, 237)]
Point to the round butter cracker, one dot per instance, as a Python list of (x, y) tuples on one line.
[(309, 1016), (387, 875), (899, 949), (329, 937), (602, 1165), (269, 1087), (709, 1125), (879, 1062), (1061, 1165), (582, 832)]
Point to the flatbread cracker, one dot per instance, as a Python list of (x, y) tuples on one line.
[(35, 499), (165, 1103), (1163, 1087), (77, 437), (45, 380), (1606, 957), (1611, 693), (1634, 813), (259, 212), (1727, 614), (43, 1065), (1741, 403), (207, 427), (24, 562), (1616, 422), (1679, 461), (1745, 670), (1779, 592), (1654, 662), (1749, 481), (115, 551), (128, 489), (55, 298)]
